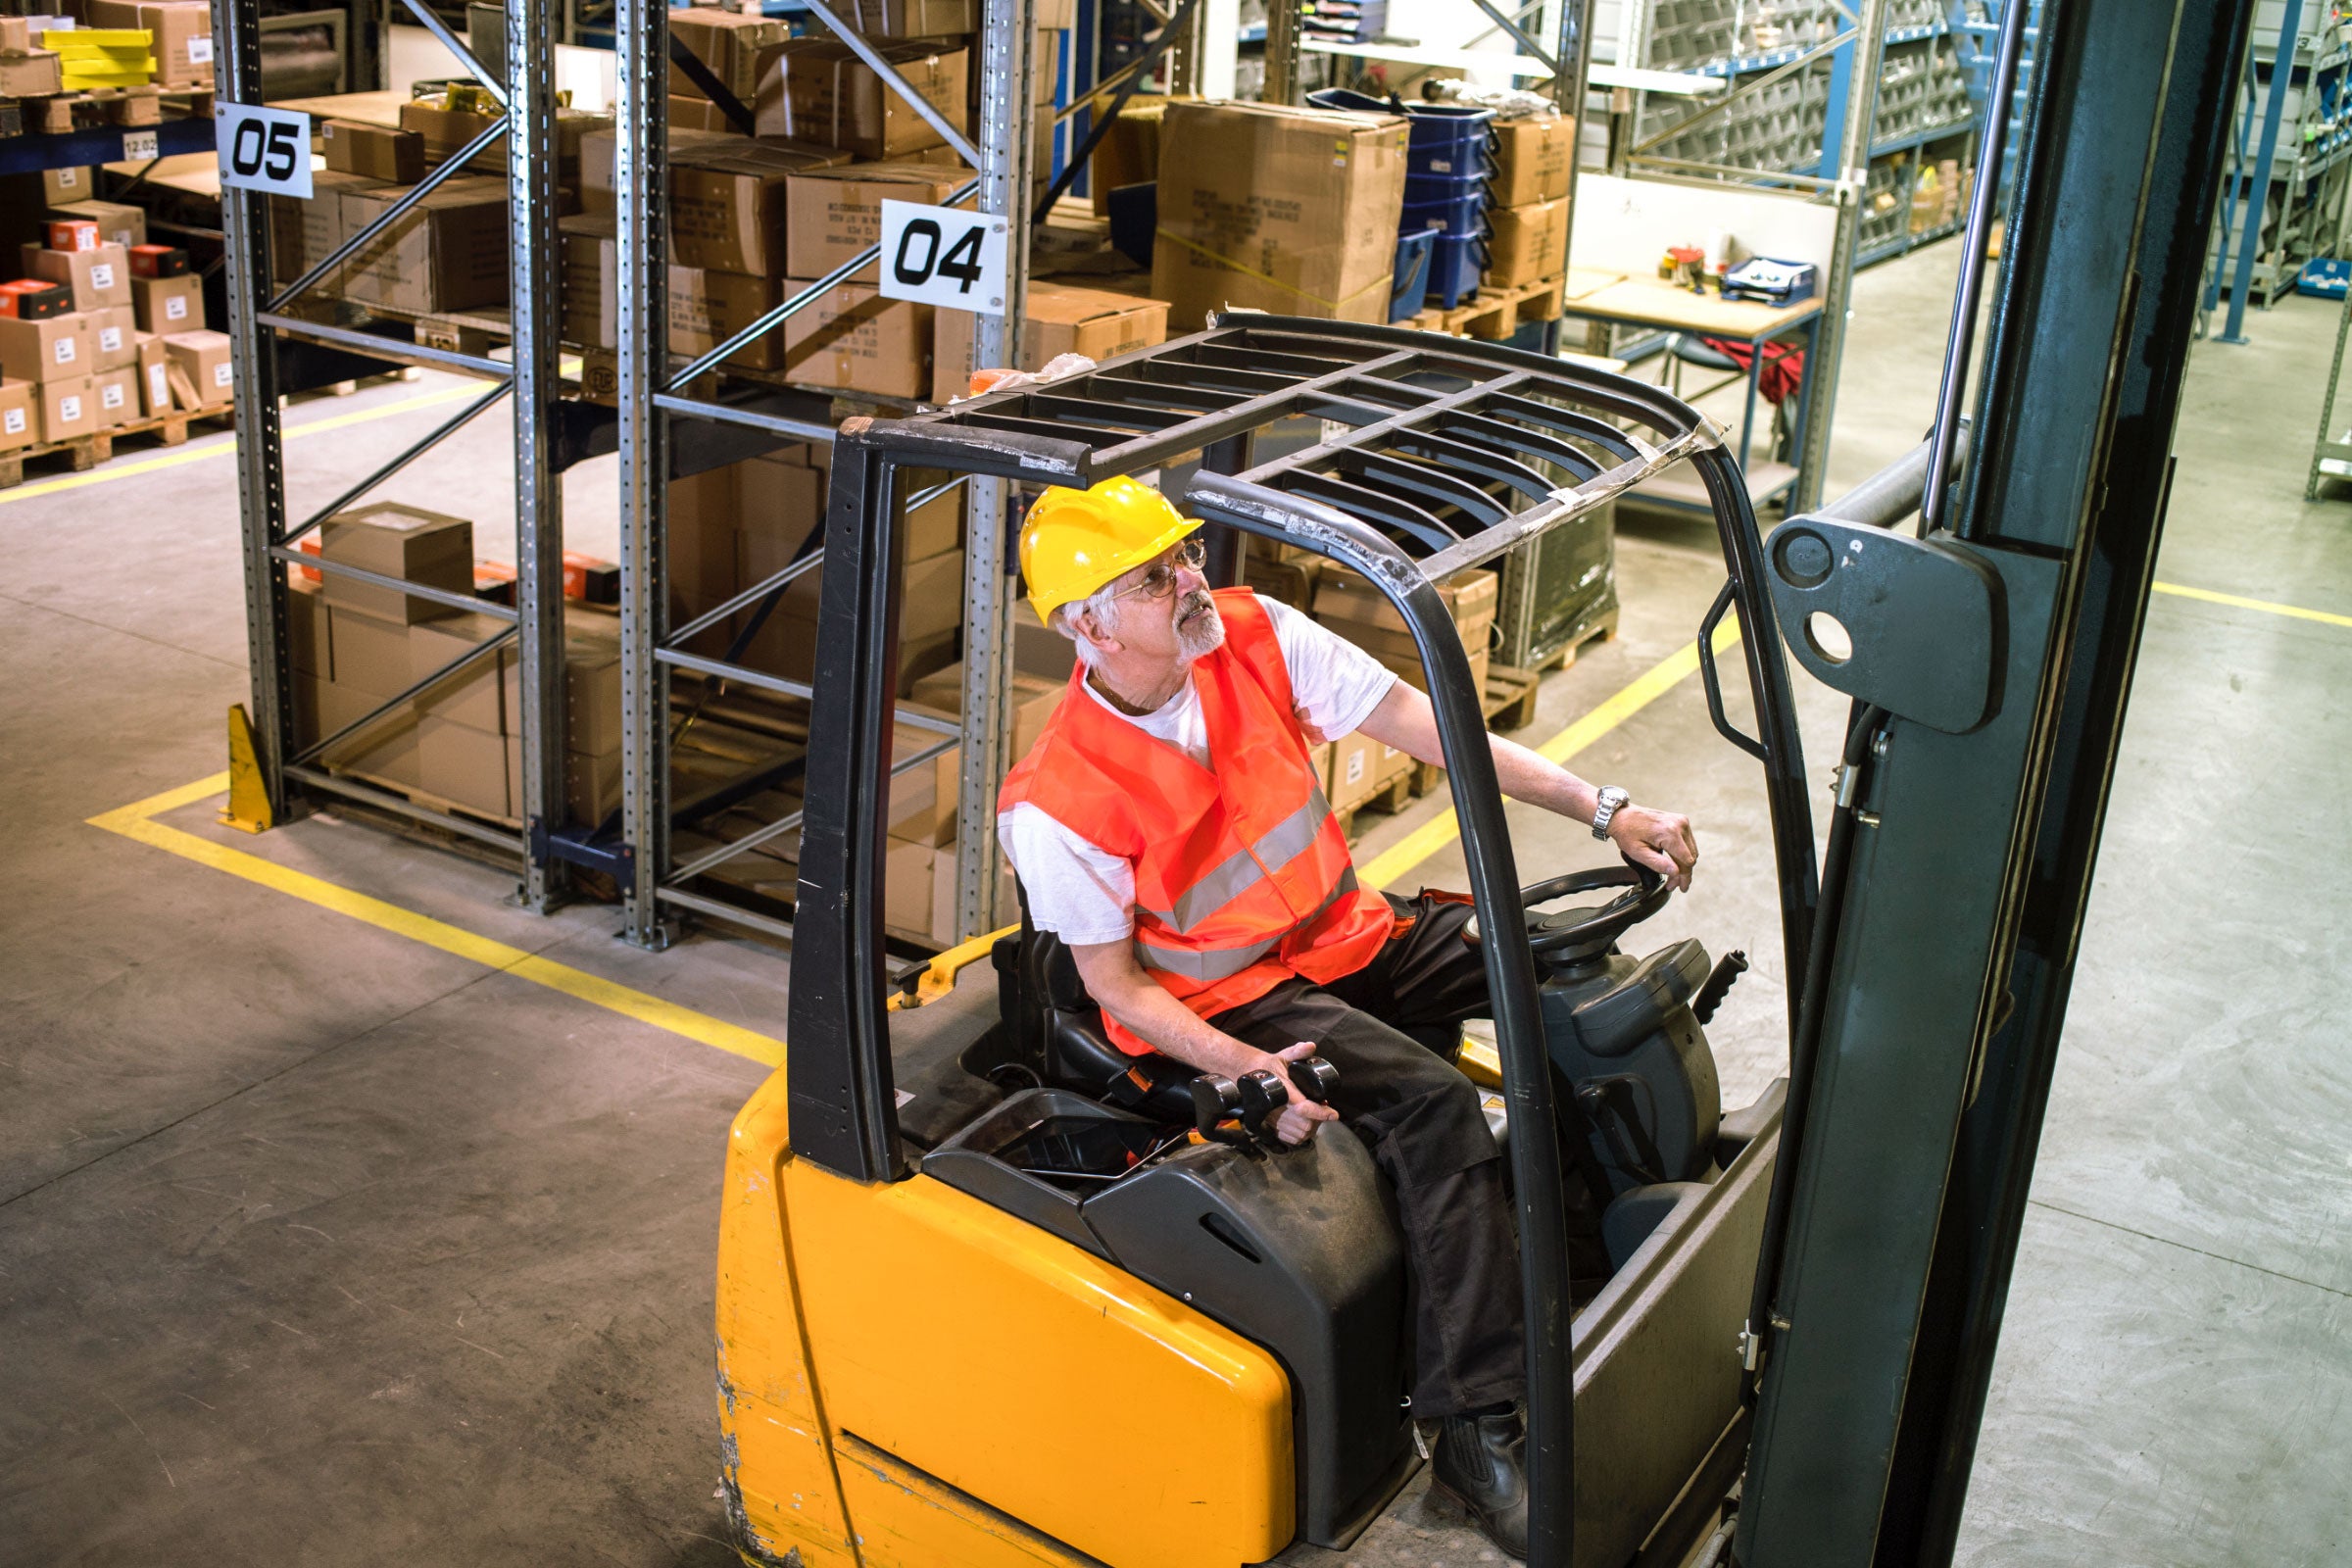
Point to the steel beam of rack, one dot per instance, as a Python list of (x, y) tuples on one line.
[(653, 392), (256, 323)]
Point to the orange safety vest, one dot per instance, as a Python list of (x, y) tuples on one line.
[(1242, 874)]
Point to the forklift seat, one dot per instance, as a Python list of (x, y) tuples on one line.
[(1057, 1031)]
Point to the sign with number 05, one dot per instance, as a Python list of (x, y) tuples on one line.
[(943, 255), (264, 149)]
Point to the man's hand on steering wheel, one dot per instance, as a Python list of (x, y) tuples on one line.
[(1298, 1119), (1660, 840)]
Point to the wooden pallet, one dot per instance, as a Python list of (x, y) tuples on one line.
[(84, 452), (1495, 314), (1601, 628)]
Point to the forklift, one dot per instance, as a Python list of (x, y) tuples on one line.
[(991, 1293)]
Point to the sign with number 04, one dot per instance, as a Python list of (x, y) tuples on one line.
[(943, 255), (264, 149)]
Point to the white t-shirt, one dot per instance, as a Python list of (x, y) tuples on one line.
[(1084, 895)]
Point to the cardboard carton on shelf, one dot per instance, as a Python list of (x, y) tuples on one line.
[(181, 31), (118, 222), (1362, 767), (310, 639), (1343, 597), (154, 381), (202, 359), (399, 541), (1034, 701), (56, 348), (1529, 243), (68, 406), (70, 234), (384, 753), (707, 307), (33, 299), (482, 772), (487, 693), (447, 253), (377, 152), (114, 339), (727, 203), (31, 73), (19, 414), (1532, 160), (1062, 317), (99, 276), (1292, 211), (853, 339), (834, 213), (62, 186), (117, 396), (1129, 152), (446, 131), (817, 89), (167, 304), (729, 44), (917, 18), (598, 149), (587, 301)]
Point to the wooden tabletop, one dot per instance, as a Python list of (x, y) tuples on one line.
[(1653, 302)]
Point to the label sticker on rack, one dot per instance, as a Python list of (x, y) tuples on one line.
[(138, 146), (264, 149), (943, 255)]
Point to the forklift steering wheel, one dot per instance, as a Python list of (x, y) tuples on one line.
[(1589, 928)]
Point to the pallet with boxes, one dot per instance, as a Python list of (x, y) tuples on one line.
[(101, 333)]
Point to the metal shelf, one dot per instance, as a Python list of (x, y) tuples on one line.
[(1920, 138), (104, 144)]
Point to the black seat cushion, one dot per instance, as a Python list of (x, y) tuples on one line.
[(1060, 1036)]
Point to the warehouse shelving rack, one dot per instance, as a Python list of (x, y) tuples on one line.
[(276, 351), (2289, 157)]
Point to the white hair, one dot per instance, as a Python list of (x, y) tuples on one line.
[(1103, 604)]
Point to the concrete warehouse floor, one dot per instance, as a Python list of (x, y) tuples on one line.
[(321, 1243)]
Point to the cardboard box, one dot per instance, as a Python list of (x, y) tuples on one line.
[(916, 18), (591, 787), (1129, 153), (600, 148), (203, 359), (816, 89), (445, 132), (68, 406), (158, 261), (1530, 243), (155, 384), (371, 654), (1063, 318), (397, 541), (853, 338), (119, 223), (114, 339), (167, 304), (34, 74), (55, 349), (1292, 211), (447, 253), (729, 42), (919, 892), (1360, 769), (727, 207), (310, 635), (1533, 159), (181, 31), (487, 693), (118, 393), (33, 299), (72, 234), (377, 151), (588, 302), (1034, 699), (591, 698), (1038, 649), (99, 276), (1470, 598), (708, 307), (465, 766), (834, 213), (19, 414), (61, 186), (700, 114), (304, 233), (385, 751)]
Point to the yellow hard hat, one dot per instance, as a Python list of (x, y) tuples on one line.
[(1075, 541)]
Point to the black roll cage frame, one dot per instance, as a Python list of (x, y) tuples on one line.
[(1405, 495)]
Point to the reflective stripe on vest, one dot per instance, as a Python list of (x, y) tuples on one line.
[(1212, 965), (1284, 843)]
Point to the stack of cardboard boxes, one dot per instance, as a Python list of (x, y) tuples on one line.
[(1528, 212), (1362, 615), (355, 646), (97, 333)]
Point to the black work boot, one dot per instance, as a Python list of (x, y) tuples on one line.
[(1481, 1465)]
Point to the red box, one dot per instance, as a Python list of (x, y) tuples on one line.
[(158, 261), (33, 299), (494, 581), (589, 581), (309, 547), (73, 235)]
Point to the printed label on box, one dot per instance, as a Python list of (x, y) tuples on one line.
[(68, 178), (69, 410), (1355, 767), (110, 339), (221, 373), (200, 50), (175, 307), (109, 396), (102, 276), (158, 388), (65, 352), (12, 423)]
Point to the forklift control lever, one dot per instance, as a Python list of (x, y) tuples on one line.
[(1243, 1113)]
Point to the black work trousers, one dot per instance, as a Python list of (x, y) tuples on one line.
[(1422, 1121)]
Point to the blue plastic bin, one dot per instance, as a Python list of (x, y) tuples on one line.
[(1444, 139), (1410, 286), (1465, 215), (1422, 189), (1456, 264)]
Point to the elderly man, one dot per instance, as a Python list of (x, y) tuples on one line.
[(1169, 828)]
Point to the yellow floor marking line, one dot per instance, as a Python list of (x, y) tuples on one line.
[(1399, 857), (193, 453), (137, 821), (2324, 618)]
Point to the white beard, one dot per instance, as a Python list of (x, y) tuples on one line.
[(1203, 636)]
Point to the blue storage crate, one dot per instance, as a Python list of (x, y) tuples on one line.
[(1422, 189), (1443, 140), (2325, 277), (1462, 215), (1410, 282), (1456, 264)]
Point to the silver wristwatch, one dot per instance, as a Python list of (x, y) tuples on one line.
[(1611, 800)]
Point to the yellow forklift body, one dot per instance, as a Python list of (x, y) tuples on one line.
[(908, 1376)]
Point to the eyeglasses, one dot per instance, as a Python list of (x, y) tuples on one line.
[(1160, 581)]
